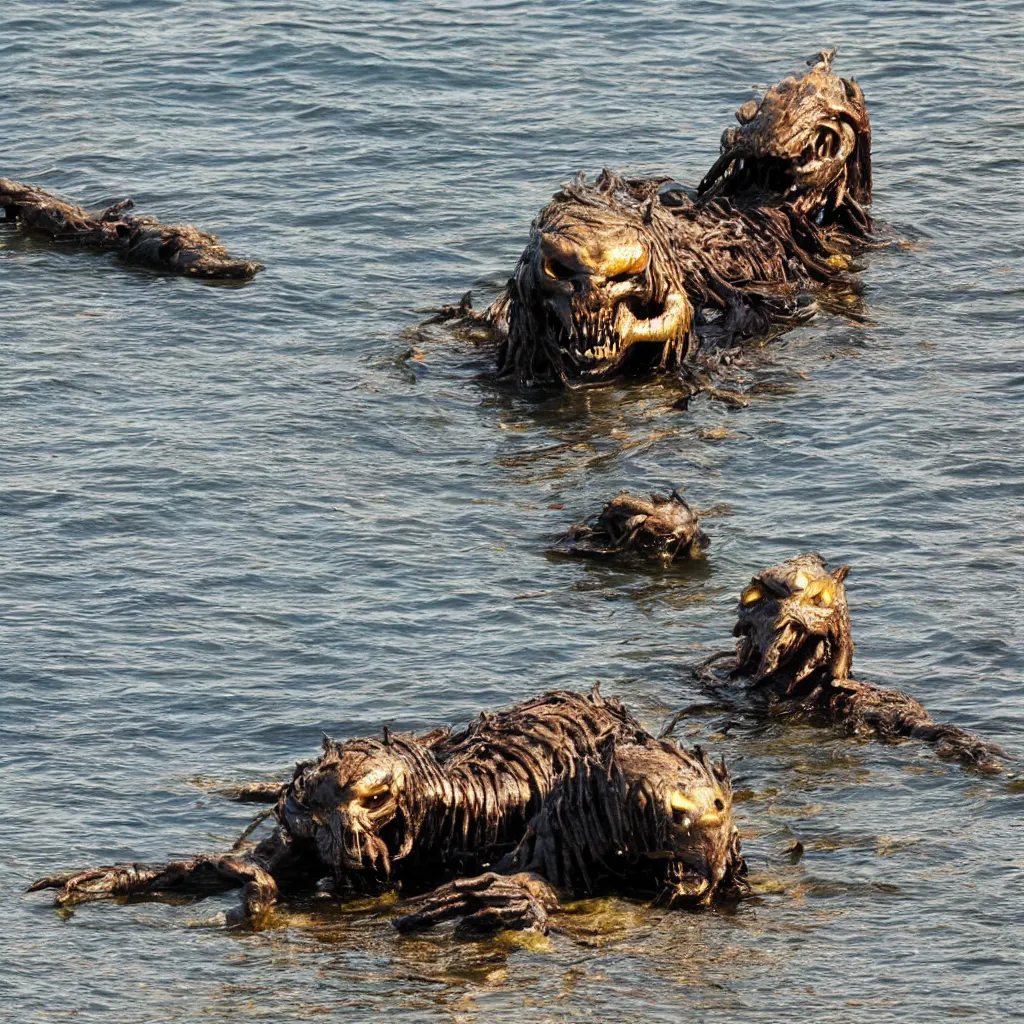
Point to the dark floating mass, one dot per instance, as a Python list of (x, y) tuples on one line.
[(140, 241), (659, 529)]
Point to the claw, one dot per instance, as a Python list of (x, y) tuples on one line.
[(485, 904)]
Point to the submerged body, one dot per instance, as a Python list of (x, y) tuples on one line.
[(795, 647), (414, 811), (141, 241)]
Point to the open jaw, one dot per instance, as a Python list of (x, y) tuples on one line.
[(603, 308), (596, 292), (806, 141)]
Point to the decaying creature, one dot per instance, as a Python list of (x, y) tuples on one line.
[(645, 818), (659, 529), (415, 811), (634, 275), (140, 241), (795, 648), (807, 140)]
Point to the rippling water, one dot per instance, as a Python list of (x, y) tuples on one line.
[(234, 518)]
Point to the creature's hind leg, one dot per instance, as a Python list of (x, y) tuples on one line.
[(486, 903)]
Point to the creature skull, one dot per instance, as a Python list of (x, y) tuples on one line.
[(808, 140), (794, 624), (595, 288), (354, 805)]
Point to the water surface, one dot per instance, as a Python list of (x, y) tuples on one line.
[(234, 518)]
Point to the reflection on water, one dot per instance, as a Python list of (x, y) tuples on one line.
[(234, 518)]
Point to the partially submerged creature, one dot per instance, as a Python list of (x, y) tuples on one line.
[(645, 818), (795, 648), (416, 811), (807, 140), (660, 529), (628, 276), (140, 241)]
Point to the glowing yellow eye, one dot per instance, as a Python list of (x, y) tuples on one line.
[(687, 812), (681, 802), (821, 592), (750, 595), (800, 581), (374, 797)]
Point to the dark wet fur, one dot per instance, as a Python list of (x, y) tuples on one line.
[(462, 801), (658, 529), (141, 241), (604, 828)]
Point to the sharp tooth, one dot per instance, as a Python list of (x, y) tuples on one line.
[(740, 163)]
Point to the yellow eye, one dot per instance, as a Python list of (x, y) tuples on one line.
[(821, 592), (375, 797), (751, 595), (681, 802), (800, 580)]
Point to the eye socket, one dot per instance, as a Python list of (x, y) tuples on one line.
[(375, 798), (557, 270), (820, 592), (680, 817), (719, 804), (826, 144), (751, 595)]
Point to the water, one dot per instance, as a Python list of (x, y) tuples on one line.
[(235, 518)]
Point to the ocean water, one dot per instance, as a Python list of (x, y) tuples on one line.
[(232, 519)]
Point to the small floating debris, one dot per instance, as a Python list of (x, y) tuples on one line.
[(660, 529)]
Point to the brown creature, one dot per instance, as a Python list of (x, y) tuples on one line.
[(411, 811), (140, 241), (646, 818), (628, 276), (807, 140), (795, 647), (660, 529)]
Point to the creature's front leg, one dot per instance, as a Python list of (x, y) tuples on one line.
[(200, 876), (863, 707), (253, 792), (483, 904)]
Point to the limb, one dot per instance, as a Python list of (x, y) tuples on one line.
[(253, 792), (485, 903), (199, 876), (890, 714)]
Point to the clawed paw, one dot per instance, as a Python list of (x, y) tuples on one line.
[(97, 883), (484, 904)]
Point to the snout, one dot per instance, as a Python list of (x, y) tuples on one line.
[(602, 296)]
